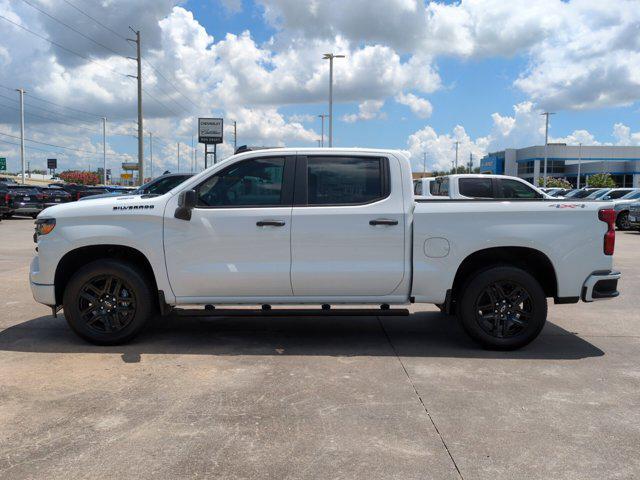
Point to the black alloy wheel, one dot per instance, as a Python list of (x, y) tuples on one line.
[(623, 221), (107, 303), (503, 309)]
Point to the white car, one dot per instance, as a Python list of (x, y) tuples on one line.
[(319, 226), (483, 186), (421, 187)]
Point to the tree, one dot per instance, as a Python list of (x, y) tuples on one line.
[(555, 182), (81, 178), (601, 180)]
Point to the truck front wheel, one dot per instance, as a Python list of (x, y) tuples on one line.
[(503, 308), (108, 302)]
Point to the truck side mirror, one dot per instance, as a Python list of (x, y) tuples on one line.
[(186, 203)]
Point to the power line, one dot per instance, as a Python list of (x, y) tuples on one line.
[(46, 110), (73, 29), (101, 64), (50, 119), (97, 21), (56, 104), (87, 152), (171, 83)]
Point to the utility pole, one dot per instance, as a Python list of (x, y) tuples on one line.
[(330, 57), (322, 117), (104, 150), (579, 162), (424, 164), (455, 168), (193, 157), (235, 136), (21, 91), (151, 154), (546, 143), (470, 161), (138, 59), (178, 157)]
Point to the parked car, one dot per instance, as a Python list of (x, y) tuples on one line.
[(4, 206), (321, 226), (482, 186), (23, 200), (158, 186), (621, 207), (556, 192), (54, 196), (617, 193), (634, 216)]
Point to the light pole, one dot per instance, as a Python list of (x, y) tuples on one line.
[(330, 57), (455, 168), (322, 117), (546, 143), (104, 150), (150, 155), (579, 162), (424, 164), (21, 91)]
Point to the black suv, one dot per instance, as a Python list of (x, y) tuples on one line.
[(23, 200)]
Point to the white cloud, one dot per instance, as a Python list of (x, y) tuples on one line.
[(623, 135), (420, 106), (367, 110), (232, 6)]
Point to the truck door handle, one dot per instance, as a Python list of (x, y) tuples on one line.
[(270, 223), (383, 221)]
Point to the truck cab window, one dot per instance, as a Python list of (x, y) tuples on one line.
[(439, 187), (255, 182), (417, 187), (515, 189), (344, 180), (476, 187)]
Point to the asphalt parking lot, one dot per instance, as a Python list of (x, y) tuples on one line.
[(342, 398)]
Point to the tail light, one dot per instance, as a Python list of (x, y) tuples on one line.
[(78, 196), (40, 196), (608, 215), (7, 198)]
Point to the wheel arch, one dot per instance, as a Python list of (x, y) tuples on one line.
[(529, 259), (73, 260)]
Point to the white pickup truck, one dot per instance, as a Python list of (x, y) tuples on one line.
[(319, 226)]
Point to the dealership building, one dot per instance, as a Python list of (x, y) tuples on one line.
[(567, 161)]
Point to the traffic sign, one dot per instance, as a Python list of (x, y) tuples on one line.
[(210, 130), (52, 163), (3, 163)]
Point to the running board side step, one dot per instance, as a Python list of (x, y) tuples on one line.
[(290, 312)]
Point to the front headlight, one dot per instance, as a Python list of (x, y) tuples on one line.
[(44, 226)]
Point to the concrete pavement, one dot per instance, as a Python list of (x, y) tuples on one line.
[(318, 397)]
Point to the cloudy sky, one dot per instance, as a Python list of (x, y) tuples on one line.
[(417, 75)]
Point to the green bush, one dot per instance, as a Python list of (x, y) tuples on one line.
[(555, 182), (601, 180)]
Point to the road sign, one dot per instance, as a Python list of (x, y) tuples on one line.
[(126, 176), (130, 166), (52, 163), (210, 130), (3, 163)]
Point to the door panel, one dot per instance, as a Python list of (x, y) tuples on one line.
[(237, 242), (342, 249)]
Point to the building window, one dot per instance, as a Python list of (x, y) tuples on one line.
[(525, 167)]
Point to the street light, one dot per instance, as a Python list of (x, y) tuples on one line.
[(322, 117), (330, 57), (546, 143)]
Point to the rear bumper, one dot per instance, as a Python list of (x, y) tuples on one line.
[(20, 207), (600, 286)]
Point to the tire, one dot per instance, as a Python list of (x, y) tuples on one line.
[(108, 302), (490, 315), (8, 215), (34, 215), (622, 222)]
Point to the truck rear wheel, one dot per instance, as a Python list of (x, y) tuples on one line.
[(108, 302), (503, 308)]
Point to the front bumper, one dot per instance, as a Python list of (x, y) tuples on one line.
[(601, 286), (634, 219), (45, 294)]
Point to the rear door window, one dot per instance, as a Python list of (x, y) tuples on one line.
[(344, 180), (476, 187), (513, 189)]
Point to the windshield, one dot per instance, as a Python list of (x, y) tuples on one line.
[(160, 186), (631, 195), (579, 194), (618, 194), (598, 193)]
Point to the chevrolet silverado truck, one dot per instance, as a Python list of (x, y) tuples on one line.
[(324, 227)]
